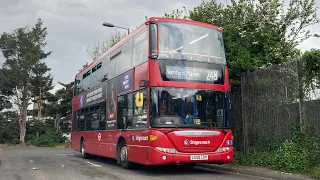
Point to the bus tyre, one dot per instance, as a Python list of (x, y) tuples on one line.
[(123, 156), (83, 149)]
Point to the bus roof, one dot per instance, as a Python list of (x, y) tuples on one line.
[(137, 30), (187, 21)]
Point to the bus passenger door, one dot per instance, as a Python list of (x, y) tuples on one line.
[(132, 120)]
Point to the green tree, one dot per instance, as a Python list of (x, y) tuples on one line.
[(60, 106), (101, 47), (4, 103), (4, 91), (311, 68), (23, 49), (41, 84), (9, 127), (257, 33), (180, 14)]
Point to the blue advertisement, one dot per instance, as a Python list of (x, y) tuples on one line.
[(126, 82)]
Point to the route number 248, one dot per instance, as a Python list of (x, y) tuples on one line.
[(212, 75)]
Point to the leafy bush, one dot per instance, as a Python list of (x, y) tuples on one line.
[(38, 133), (263, 159), (299, 154), (291, 158), (48, 139), (15, 141), (43, 134), (315, 172), (9, 130)]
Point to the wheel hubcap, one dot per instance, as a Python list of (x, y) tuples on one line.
[(82, 149), (123, 153)]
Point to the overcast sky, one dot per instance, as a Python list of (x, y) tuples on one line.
[(73, 25)]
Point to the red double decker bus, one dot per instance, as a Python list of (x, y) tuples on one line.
[(157, 97)]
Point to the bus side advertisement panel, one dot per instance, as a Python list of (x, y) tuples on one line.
[(90, 97), (122, 83), (111, 104), (125, 82)]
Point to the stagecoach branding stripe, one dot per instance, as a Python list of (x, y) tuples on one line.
[(197, 133)]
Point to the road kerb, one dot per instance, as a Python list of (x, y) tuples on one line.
[(255, 172)]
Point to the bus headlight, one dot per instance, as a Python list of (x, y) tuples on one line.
[(167, 150), (223, 149)]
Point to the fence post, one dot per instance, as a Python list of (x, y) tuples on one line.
[(243, 114), (301, 95)]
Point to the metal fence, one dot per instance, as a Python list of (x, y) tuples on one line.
[(266, 105)]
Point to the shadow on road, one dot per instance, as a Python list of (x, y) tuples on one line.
[(154, 170)]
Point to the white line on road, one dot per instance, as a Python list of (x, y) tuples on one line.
[(64, 154), (93, 164), (31, 161)]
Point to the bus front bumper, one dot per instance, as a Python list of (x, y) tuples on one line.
[(162, 158)]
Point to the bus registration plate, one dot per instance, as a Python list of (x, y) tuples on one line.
[(199, 157)]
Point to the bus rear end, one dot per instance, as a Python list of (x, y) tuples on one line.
[(189, 105)]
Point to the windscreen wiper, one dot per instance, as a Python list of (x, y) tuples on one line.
[(210, 123), (223, 130), (172, 129)]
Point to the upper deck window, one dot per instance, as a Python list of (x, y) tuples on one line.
[(190, 42)]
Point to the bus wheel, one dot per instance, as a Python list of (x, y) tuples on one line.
[(123, 152), (83, 149)]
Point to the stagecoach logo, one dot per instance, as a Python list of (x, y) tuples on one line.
[(188, 142), (99, 136), (139, 138)]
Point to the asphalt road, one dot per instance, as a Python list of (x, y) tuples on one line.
[(18, 163)]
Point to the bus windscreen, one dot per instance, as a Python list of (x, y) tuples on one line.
[(190, 42), (186, 107)]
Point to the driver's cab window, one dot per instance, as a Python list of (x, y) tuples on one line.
[(125, 111), (140, 113), (132, 110)]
